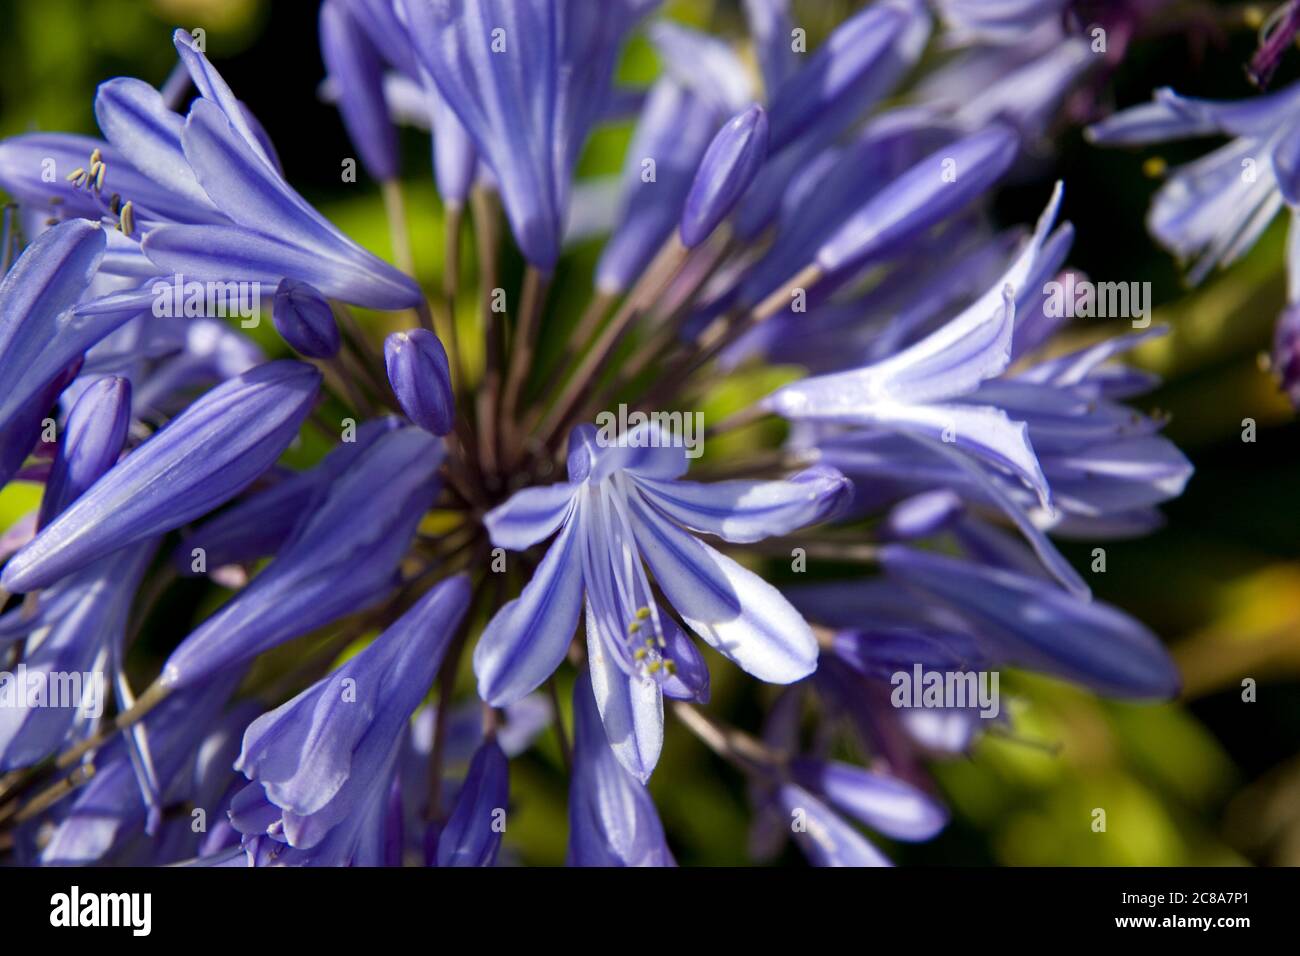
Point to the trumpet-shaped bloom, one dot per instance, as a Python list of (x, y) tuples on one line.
[(612, 820), (912, 390), (1031, 622), (203, 458), (527, 81), (319, 762), (624, 509)]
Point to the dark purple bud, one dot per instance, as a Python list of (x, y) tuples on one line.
[(1286, 354), (421, 379), (304, 319), (472, 835), (20, 435), (93, 437), (1275, 39), (729, 166)]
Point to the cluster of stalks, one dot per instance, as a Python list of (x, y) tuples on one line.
[(511, 428)]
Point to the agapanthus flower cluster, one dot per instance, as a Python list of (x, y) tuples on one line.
[(536, 507)]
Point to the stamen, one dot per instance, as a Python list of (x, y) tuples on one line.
[(1154, 167), (632, 586)]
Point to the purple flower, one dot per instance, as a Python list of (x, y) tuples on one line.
[(40, 336), (527, 80), (625, 508), (1031, 622), (320, 764), (421, 379), (823, 835), (1211, 211), (93, 437), (728, 167), (108, 811), (305, 320), (885, 804), (612, 820), (203, 458), (80, 638), (912, 390), (938, 413)]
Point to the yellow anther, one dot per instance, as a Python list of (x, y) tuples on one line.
[(95, 156), (650, 642), (670, 665), (76, 174), (653, 667), (642, 613), (127, 221), (99, 177), (634, 627), (1154, 167), (640, 653)]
